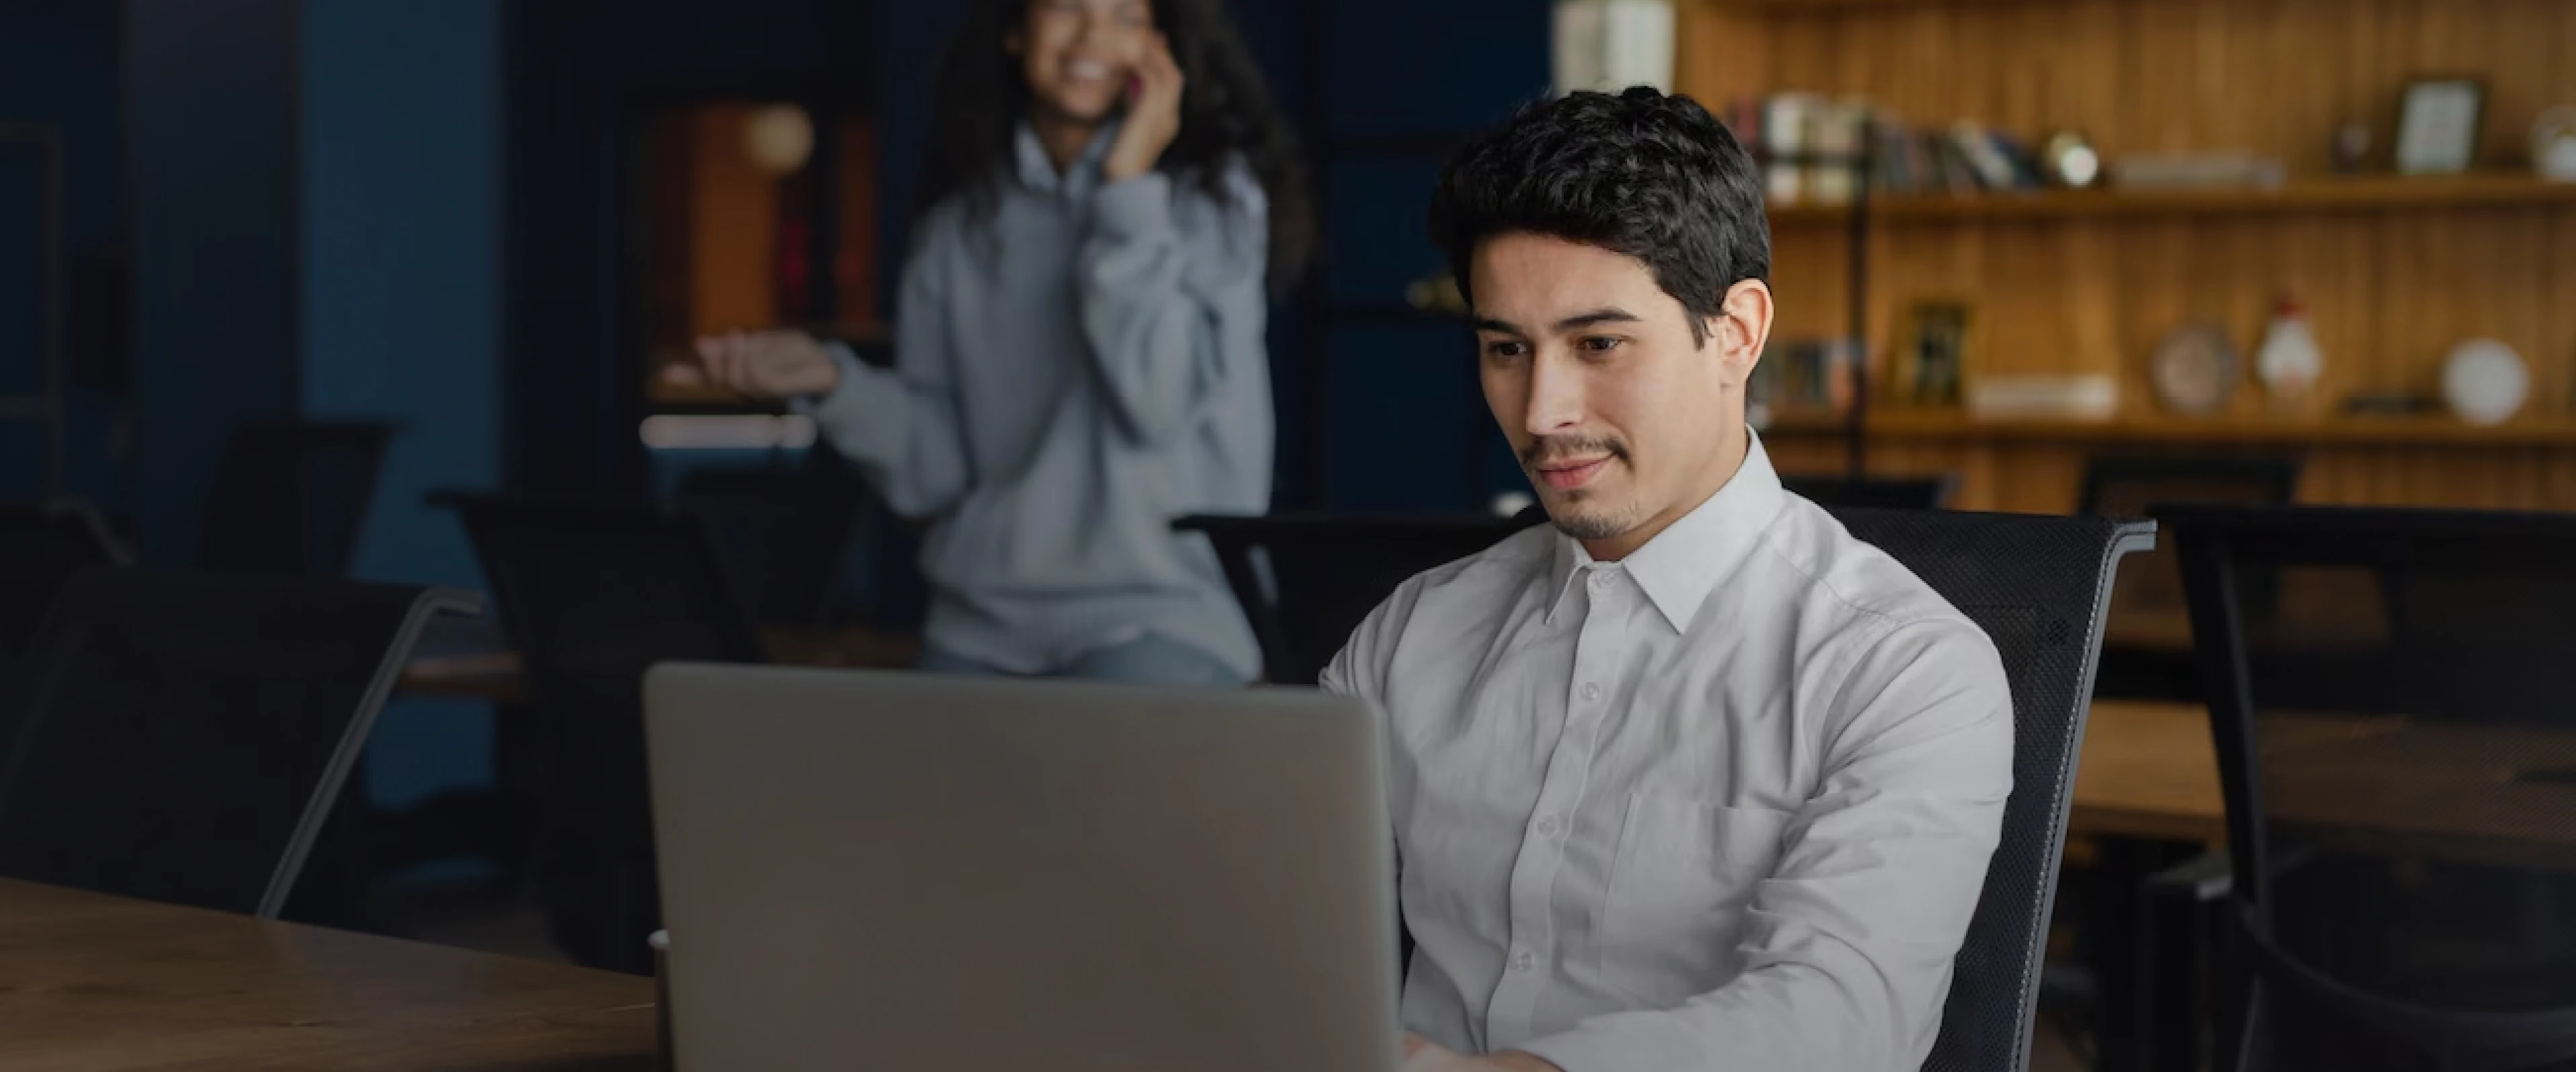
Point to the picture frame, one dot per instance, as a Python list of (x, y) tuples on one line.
[(2438, 125), (1933, 352)]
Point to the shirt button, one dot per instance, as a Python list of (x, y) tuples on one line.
[(1524, 961), (1600, 579), (1548, 825), (1591, 690)]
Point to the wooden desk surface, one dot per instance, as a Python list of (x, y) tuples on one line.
[(2148, 770), (89, 982)]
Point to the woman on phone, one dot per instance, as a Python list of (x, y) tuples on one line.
[(1079, 351)]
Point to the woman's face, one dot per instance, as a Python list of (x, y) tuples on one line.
[(1078, 55)]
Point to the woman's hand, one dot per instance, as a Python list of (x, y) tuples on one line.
[(760, 364), (1153, 114)]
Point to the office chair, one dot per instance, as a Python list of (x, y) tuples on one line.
[(1306, 581), (2389, 694), (41, 547), (292, 498), (784, 534), (593, 592), (2146, 654), (2039, 587), (182, 737), (1886, 493)]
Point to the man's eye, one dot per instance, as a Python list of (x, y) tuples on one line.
[(1506, 349), (1601, 344)]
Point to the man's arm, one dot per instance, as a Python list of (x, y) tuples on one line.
[(1848, 945)]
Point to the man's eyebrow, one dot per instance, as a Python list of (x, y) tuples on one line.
[(1597, 316), (1487, 323)]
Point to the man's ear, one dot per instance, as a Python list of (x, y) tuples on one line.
[(1741, 327)]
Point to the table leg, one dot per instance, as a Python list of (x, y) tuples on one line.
[(2147, 953)]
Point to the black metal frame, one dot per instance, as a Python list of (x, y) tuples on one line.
[(2209, 540)]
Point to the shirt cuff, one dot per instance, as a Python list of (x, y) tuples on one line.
[(1133, 208), (864, 416)]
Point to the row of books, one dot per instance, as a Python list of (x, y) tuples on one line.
[(1815, 149)]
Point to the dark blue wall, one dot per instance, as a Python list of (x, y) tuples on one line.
[(401, 305), (213, 131), (59, 68), (1405, 428)]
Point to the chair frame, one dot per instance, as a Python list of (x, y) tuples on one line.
[(2206, 540), (426, 604)]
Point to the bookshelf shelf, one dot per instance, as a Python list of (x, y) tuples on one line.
[(2157, 429), (2372, 193)]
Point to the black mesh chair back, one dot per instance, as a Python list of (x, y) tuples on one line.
[(2393, 694), (40, 548), (181, 737), (783, 533), (1306, 581), (292, 498), (2146, 653), (2039, 587), (1883, 493), (591, 594)]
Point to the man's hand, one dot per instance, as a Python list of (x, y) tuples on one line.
[(1153, 114), (1420, 1056), (760, 364)]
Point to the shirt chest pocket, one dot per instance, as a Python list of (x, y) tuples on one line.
[(1679, 881)]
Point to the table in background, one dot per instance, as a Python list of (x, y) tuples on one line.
[(91, 982), (493, 673)]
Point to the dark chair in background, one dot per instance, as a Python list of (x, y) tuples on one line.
[(2391, 697), (1884, 493), (2146, 653), (182, 736), (40, 548), (784, 534), (591, 594), (1306, 581), (292, 498), (2040, 588)]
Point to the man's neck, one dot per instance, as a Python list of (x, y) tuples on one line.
[(1720, 471), (1064, 138)]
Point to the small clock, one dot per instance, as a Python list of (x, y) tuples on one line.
[(2195, 369)]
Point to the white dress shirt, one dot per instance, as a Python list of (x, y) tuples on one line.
[(1725, 804)]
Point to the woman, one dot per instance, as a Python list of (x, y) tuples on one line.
[(1079, 341)]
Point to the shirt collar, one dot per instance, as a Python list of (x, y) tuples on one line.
[(1682, 563), (1037, 170)]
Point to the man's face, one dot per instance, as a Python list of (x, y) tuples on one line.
[(1624, 418)]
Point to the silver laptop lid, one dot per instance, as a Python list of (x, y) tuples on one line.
[(896, 870)]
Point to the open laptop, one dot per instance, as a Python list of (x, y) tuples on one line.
[(898, 870)]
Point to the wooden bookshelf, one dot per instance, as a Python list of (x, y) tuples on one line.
[(2162, 430), (2394, 193), (2393, 271)]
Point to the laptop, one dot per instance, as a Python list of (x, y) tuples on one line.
[(903, 870)]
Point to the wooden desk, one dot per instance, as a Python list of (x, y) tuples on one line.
[(89, 982), (494, 675), (2148, 770)]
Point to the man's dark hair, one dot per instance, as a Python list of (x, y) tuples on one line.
[(1652, 176)]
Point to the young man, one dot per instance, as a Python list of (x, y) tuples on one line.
[(1695, 780)]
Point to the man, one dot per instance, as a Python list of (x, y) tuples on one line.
[(1695, 780)]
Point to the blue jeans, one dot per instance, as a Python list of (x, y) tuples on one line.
[(1146, 660)]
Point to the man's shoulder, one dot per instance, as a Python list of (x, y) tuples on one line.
[(1854, 584), (1447, 598)]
